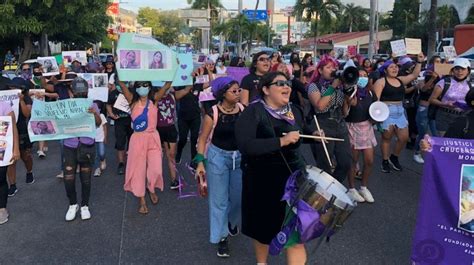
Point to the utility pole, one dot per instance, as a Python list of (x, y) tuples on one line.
[(239, 44), (372, 28)]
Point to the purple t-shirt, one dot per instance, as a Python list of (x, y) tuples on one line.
[(74, 142), (166, 110), (5, 108), (456, 92)]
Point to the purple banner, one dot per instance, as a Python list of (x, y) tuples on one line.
[(445, 222), (237, 73)]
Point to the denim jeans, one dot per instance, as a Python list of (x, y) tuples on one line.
[(422, 123), (100, 153), (224, 181)]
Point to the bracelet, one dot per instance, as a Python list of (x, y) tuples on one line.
[(200, 158), (329, 91)]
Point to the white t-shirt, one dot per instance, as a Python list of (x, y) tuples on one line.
[(100, 134), (221, 71)]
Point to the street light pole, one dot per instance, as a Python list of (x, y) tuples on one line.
[(239, 44), (372, 28)]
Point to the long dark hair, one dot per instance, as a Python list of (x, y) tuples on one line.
[(295, 58), (253, 67)]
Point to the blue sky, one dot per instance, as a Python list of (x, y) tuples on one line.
[(385, 5)]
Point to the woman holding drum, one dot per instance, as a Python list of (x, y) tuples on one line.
[(391, 90), (268, 159)]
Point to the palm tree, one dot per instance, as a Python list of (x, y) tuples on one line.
[(319, 10), (213, 5), (432, 28), (445, 16), (353, 17)]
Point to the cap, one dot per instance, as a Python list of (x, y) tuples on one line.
[(462, 62), (79, 85), (110, 59), (220, 84)]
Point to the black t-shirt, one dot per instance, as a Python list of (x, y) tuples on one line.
[(22, 123), (425, 95), (224, 132), (297, 86), (250, 82), (62, 90), (460, 129), (113, 95), (360, 112), (188, 106)]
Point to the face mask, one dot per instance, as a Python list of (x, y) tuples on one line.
[(26, 76), (219, 64), (76, 69), (37, 74), (143, 91), (362, 82)]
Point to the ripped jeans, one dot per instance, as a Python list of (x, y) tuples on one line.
[(84, 156)]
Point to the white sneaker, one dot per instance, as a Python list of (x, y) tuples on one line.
[(71, 212), (355, 195), (85, 214), (78, 169), (365, 193), (418, 159), (97, 172), (41, 154), (103, 165), (60, 175)]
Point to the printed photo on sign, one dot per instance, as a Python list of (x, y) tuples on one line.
[(100, 81), (3, 149), (130, 59), (157, 60), (4, 128), (70, 56), (42, 127), (89, 79), (466, 200), (49, 65)]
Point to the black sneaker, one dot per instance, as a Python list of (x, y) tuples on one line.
[(174, 184), (121, 169), (12, 190), (30, 179), (394, 163), (223, 248), (233, 231), (385, 166)]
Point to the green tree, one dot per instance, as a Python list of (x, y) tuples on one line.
[(166, 25), (316, 11), (404, 14), (353, 18)]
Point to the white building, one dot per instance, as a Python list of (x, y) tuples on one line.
[(461, 6)]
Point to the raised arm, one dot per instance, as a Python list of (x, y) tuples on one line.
[(182, 92), (126, 92), (416, 72), (378, 87), (161, 92)]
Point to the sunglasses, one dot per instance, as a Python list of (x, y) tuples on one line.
[(263, 59), (143, 84), (235, 91), (281, 83), (26, 69)]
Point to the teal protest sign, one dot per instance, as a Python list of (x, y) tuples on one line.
[(61, 120), (142, 58), (183, 75)]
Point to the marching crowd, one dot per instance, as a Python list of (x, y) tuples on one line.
[(245, 141)]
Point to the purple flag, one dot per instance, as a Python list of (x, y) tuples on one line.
[(445, 222), (237, 73)]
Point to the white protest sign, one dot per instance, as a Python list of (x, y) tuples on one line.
[(98, 89), (6, 140), (450, 53), (122, 104), (37, 93), (201, 79), (340, 51), (12, 98), (398, 47), (70, 56), (50, 65), (413, 46), (443, 68)]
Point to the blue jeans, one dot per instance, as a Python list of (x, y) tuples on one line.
[(422, 123), (100, 153), (224, 182)]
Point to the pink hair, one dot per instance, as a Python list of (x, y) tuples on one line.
[(325, 60)]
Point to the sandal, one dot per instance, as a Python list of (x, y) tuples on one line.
[(154, 198), (143, 209)]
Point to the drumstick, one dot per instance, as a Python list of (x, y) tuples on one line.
[(319, 137), (323, 142)]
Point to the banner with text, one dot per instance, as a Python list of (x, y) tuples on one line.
[(445, 223), (12, 97), (61, 120)]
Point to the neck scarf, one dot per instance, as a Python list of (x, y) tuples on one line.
[(283, 113)]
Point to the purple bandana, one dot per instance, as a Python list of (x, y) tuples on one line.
[(283, 113)]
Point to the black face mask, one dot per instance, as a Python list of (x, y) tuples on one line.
[(37, 74)]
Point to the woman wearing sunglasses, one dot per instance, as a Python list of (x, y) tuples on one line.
[(144, 170), (331, 105), (268, 159), (222, 165), (249, 84)]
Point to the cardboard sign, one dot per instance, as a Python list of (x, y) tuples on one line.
[(142, 58), (50, 65), (413, 46), (122, 104), (443, 68), (12, 98), (98, 89), (6, 140), (340, 51), (352, 50), (183, 76), (398, 47), (70, 56), (202, 79), (450, 52)]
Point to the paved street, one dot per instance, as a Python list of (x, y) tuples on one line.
[(176, 230)]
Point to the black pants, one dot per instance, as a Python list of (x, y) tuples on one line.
[(83, 156), (123, 132), (341, 151), (3, 187), (184, 126)]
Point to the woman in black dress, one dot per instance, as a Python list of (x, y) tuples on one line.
[(268, 159)]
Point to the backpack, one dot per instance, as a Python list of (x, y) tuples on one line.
[(432, 109), (215, 117)]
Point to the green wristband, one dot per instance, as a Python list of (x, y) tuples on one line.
[(329, 91), (200, 158)]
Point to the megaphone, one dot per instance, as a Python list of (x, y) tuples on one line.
[(379, 111), (349, 76)]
